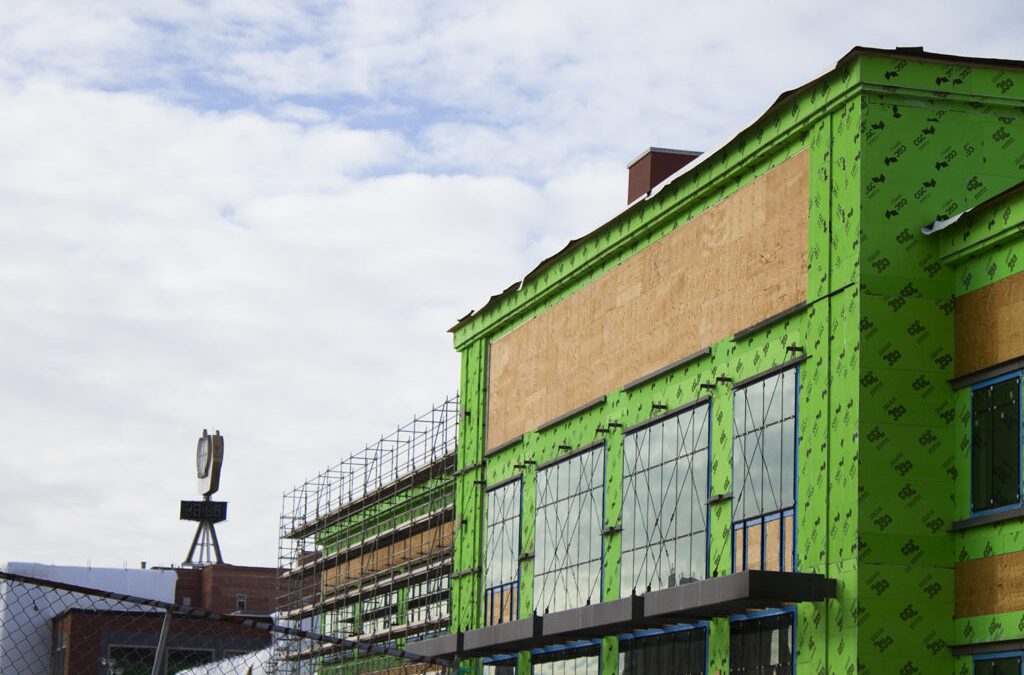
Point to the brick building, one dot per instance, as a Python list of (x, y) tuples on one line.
[(227, 589), (105, 641)]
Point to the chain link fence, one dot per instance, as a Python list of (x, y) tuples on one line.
[(51, 628)]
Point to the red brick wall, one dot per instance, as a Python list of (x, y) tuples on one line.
[(86, 630), (216, 587), (190, 585), (222, 583)]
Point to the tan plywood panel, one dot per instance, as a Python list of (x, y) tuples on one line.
[(738, 263), (754, 552), (394, 555), (990, 325), (990, 585), (738, 536), (773, 545), (787, 545)]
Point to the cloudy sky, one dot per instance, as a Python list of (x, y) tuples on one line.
[(262, 216)]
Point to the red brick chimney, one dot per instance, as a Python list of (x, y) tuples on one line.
[(654, 166)]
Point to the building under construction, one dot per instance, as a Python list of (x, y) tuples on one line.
[(366, 548), (768, 419)]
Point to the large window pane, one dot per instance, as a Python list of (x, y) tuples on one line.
[(764, 470), (995, 444), (501, 565), (788, 460), (762, 646), (664, 503), (773, 466), (570, 515), (672, 653), (998, 665), (577, 661), (754, 408)]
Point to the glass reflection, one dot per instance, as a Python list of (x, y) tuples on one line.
[(764, 468), (664, 507), (570, 517), (676, 652), (501, 562), (572, 663)]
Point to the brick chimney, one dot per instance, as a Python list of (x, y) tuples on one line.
[(654, 166)]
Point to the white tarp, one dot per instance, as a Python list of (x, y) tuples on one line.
[(25, 618)]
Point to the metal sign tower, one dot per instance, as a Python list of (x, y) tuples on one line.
[(209, 457)]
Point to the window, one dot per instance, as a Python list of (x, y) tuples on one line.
[(576, 660), (570, 513), (998, 664), (762, 646), (378, 613), (680, 652), (129, 659), (501, 571), (664, 503), (427, 601), (503, 668), (240, 602), (764, 473), (995, 443), (339, 621)]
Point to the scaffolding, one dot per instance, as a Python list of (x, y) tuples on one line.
[(365, 550)]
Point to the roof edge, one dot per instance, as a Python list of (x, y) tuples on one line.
[(913, 53)]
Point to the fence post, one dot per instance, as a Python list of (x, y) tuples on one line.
[(161, 645)]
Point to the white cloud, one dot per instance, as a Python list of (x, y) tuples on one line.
[(301, 113), (263, 216), (166, 269)]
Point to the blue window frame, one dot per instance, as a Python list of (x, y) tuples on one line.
[(764, 473), (1002, 663), (664, 502), (996, 443), (501, 563)]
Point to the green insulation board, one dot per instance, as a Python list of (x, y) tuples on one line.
[(935, 143), (467, 557), (985, 248)]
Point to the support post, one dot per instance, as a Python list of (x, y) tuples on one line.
[(161, 646)]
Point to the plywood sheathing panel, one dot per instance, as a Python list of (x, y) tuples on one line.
[(387, 556), (990, 325), (990, 585), (738, 263)]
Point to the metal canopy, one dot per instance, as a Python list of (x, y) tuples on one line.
[(594, 621), (735, 594), (503, 637), (699, 600)]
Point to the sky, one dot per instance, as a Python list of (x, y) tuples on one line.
[(262, 216)]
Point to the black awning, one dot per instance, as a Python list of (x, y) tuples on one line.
[(502, 638), (593, 621), (735, 594), (698, 600), (444, 647)]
